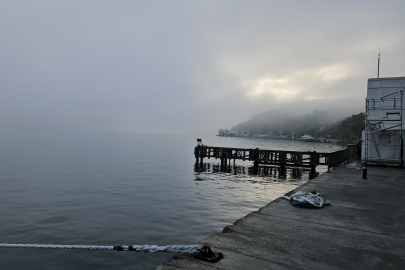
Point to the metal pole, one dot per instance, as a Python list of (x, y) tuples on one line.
[(378, 72), (401, 154), (401, 165), (365, 143)]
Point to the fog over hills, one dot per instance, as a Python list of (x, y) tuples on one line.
[(189, 66), (288, 121)]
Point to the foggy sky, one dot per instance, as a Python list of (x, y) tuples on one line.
[(188, 66)]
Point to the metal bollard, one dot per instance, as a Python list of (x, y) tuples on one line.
[(364, 173)]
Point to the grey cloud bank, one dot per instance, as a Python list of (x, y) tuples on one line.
[(187, 66)]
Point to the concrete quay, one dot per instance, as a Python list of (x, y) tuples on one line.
[(363, 228)]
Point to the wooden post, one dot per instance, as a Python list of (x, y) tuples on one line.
[(196, 153), (256, 158), (283, 159), (329, 161), (202, 154), (313, 162), (283, 171)]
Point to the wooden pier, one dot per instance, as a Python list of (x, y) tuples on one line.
[(275, 157)]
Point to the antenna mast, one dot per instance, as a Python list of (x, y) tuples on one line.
[(378, 72)]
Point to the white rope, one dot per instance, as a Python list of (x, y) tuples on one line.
[(136, 248)]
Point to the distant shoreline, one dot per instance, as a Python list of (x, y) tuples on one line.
[(322, 140)]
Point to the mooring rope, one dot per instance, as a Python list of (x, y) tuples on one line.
[(136, 248)]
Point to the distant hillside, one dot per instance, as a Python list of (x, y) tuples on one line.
[(284, 122), (347, 129), (320, 124)]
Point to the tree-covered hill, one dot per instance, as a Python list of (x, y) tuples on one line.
[(319, 124), (347, 129)]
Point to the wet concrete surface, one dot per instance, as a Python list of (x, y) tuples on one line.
[(362, 228)]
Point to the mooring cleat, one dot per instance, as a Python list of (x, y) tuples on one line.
[(118, 248), (206, 254)]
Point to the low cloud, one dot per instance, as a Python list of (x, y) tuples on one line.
[(188, 66)]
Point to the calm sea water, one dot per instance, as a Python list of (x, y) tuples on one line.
[(125, 189)]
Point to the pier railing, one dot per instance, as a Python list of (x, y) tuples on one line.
[(275, 157)]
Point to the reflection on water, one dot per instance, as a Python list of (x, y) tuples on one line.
[(241, 189), (262, 174), (109, 189)]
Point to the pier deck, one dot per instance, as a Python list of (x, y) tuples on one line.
[(275, 157), (363, 228)]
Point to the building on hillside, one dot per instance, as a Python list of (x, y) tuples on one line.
[(307, 137), (382, 138)]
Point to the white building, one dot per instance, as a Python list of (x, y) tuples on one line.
[(383, 124), (307, 137)]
